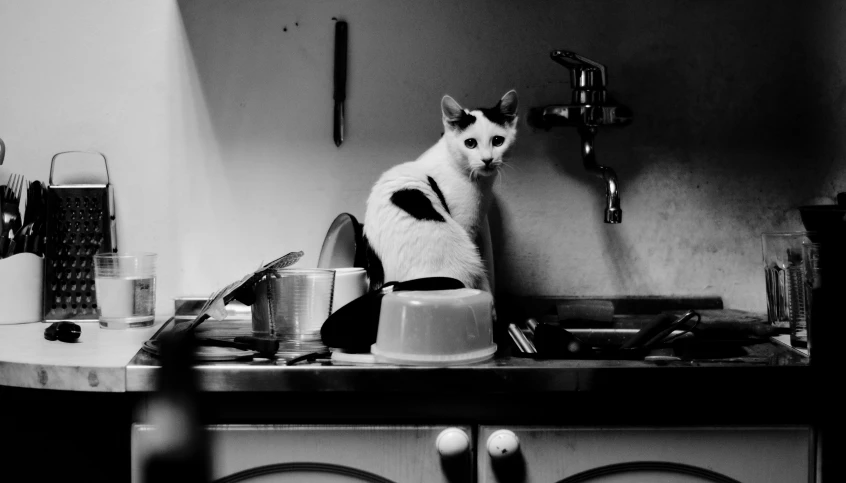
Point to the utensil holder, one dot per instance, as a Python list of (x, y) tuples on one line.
[(80, 224), (21, 288)]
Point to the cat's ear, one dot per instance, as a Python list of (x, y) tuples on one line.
[(452, 111), (508, 104)]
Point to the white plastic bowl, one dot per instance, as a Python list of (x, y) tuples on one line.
[(439, 327)]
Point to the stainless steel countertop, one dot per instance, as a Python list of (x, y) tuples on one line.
[(771, 367)]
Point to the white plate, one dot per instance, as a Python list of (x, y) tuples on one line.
[(339, 246)]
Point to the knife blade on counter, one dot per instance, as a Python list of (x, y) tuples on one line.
[(340, 94)]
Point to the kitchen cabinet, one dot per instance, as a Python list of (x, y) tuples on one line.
[(547, 454), (503, 454), (329, 453)]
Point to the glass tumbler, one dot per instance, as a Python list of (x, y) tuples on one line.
[(782, 256), (126, 289)]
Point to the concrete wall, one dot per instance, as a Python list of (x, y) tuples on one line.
[(216, 118)]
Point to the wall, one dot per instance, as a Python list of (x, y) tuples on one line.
[(216, 118)]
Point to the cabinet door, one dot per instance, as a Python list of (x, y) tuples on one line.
[(328, 454), (748, 455)]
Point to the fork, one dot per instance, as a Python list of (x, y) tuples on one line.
[(9, 209), (15, 184)]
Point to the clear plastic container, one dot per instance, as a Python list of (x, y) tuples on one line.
[(439, 327), (292, 304)]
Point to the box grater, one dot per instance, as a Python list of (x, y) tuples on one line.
[(80, 224)]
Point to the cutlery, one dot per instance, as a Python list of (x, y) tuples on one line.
[(22, 243), (12, 193), (34, 202), (11, 217), (4, 243), (340, 95)]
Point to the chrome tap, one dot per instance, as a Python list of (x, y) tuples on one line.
[(590, 107)]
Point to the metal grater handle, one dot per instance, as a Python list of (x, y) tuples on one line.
[(53, 163)]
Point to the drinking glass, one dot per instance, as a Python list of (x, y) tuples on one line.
[(782, 255), (126, 289)]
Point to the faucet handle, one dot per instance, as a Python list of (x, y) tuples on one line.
[(582, 70)]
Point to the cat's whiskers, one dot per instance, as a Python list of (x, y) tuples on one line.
[(509, 165), (500, 172)]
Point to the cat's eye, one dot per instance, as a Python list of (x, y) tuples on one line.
[(470, 143), (497, 141)]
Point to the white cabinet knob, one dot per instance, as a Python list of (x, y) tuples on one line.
[(503, 444), (452, 442)]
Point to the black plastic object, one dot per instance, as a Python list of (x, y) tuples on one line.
[(63, 331), (354, 326)]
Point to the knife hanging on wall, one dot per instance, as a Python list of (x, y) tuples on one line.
[(340, 94)]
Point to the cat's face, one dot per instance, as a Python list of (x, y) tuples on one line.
[(479, 138)]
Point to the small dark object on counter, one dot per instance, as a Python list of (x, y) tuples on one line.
[(63, 331)]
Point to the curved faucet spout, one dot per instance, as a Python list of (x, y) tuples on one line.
[(613, 213)]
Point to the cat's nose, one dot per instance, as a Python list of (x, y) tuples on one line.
[(487, 161)]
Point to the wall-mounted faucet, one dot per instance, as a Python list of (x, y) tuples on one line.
[(590, 107)]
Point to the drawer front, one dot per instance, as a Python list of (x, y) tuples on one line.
[(543, 454), (304, 453)]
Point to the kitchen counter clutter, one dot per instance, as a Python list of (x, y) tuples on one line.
[(113, 361), (766, 365)]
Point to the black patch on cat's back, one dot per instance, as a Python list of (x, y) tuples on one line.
[(440, 194), (495, 115), (416, 204), (464, 121)]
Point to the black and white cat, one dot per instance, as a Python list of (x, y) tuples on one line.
[(428, 217)]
